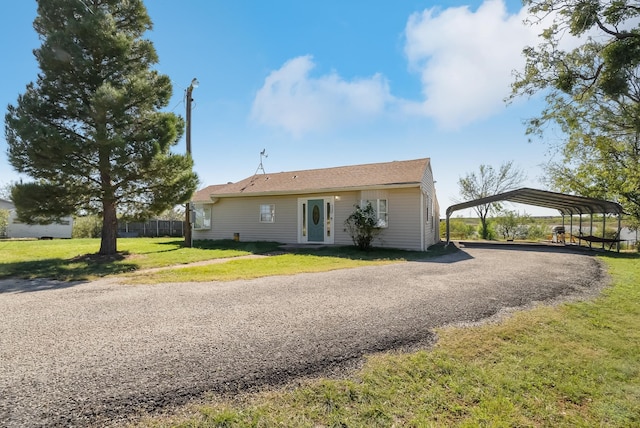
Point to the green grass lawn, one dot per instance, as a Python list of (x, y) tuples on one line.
[(285, 264), (75, 259), (574, 365)]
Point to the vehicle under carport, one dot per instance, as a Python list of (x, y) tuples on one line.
[(567, 205)]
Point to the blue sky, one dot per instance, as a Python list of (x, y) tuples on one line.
[(330, 83)]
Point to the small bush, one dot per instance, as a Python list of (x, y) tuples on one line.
[(490, 233), (458, 229), (537, 231), (87, 227), (4, 222), (362, 226)]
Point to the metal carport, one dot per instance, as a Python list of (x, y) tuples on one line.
[(566, 204)]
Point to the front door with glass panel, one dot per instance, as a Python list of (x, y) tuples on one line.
[(315, 220)]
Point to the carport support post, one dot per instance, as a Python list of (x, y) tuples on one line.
[(620, 229), (604, 225), (580, 231), (590, 227), (447, 229), (571, 227)]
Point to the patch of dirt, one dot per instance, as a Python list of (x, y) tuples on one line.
[(101, 258)]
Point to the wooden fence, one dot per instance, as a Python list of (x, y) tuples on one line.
[(151, 228)]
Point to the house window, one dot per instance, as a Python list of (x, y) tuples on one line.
[(381, 209), (267, 213), (202, 217)]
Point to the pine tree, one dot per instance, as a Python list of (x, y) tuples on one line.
[(90, 130)]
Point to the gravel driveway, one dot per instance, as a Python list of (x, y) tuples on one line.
[(99, 353)]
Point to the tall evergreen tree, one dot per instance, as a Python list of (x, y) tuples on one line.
[(89, 131)]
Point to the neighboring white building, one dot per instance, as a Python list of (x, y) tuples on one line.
[(17, 229), (6, 205), (310, 206)]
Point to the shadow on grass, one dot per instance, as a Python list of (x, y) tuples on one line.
[(88, 266), (626, 255), (80, 268), (544, 247), (258, 247), (434, 253), (61, 273)]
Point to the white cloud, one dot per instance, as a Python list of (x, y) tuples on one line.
[(465, 59), (293, 100)]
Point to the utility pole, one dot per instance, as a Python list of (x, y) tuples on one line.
[(188, 237)]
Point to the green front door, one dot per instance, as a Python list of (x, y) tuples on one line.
[(315, 220)]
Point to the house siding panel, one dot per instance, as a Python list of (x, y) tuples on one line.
[(241, 215), (404, 220), (343, 208), (431, 227)]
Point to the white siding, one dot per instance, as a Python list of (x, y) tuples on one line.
[(345, 204), (404, 217), (242, 215), (431, 225), (6, 205), (16, 229), (404, 220)]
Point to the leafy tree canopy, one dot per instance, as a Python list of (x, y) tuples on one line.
[(489, 182), (592, 93), (89, 131)]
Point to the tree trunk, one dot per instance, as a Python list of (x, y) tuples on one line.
[(108, 244), (484, 232)]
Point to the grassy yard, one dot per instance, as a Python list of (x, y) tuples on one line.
[(575, 365), (75, 259)]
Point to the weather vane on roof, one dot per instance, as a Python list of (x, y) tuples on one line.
[(263, 154)]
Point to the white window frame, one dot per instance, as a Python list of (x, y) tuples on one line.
[(381, 222), (201, 217), (267, 213), (330, 228)]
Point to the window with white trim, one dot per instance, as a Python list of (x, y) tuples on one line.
[(381, 208), (201, 217), (267, 213)]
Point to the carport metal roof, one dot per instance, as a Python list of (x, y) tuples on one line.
[(565, 204)]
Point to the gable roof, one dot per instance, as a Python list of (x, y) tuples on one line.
[(388, 174)]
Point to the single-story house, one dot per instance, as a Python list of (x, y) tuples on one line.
[(17, 229), (311, 206)]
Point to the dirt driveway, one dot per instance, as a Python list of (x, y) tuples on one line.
[(101, 352)]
